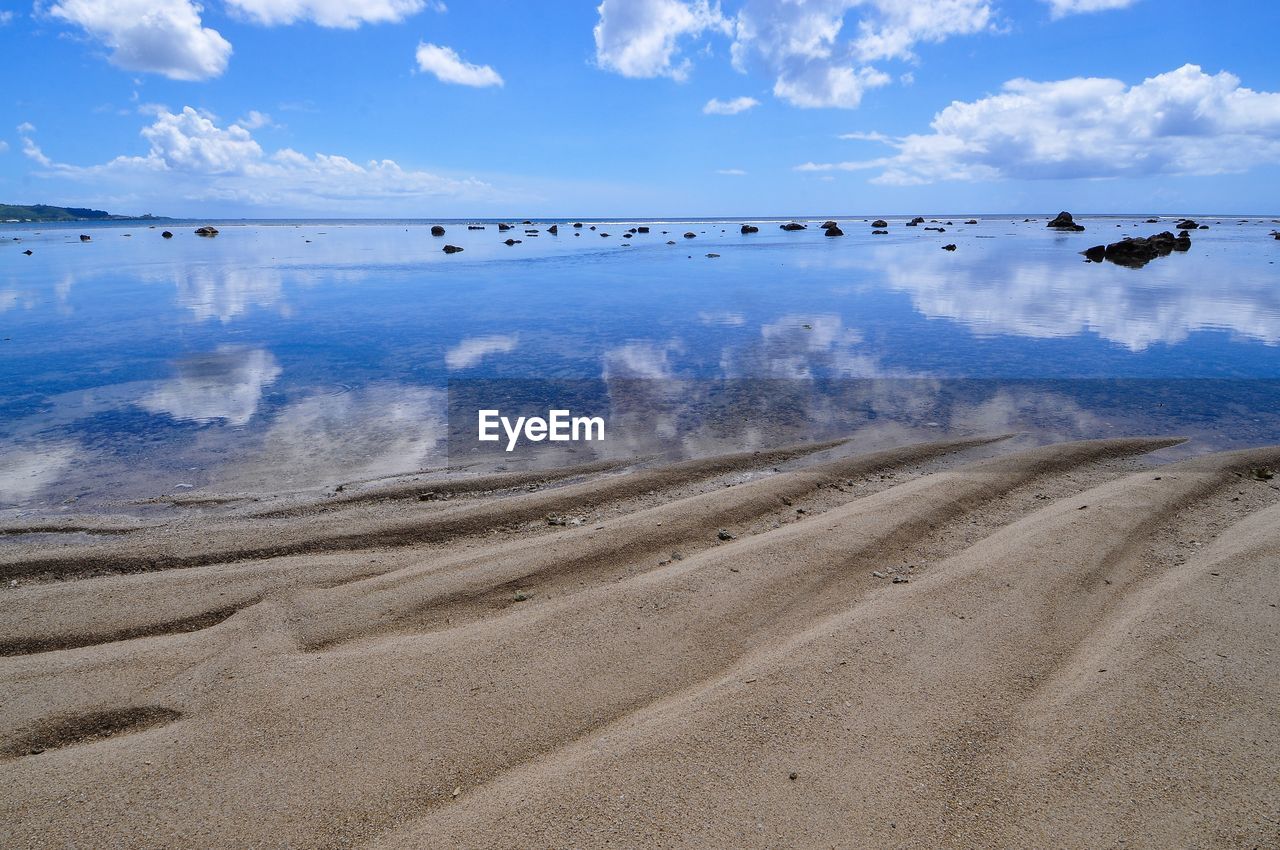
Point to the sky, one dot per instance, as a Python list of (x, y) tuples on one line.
[(630, 108)]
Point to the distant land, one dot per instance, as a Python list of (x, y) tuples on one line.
[(44, 212)]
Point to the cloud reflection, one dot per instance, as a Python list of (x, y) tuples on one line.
[(225, 385)]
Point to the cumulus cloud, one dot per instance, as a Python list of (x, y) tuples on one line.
[(729, 107), (327, 13), (157, 36), (641, 38), (1062, 8), (448, 67), (472, 350), (1184, 122), (254, 120), (191, 157), (819, 52)]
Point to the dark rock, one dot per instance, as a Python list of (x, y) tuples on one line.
[(1187, 224), (592, 227), (689, 234), (1153, 221), (939, 229), (84, 237), (833, 231), (881, 223), (604, 235), (512, 242), (206, 231), (972, 221), (827, 225), (577, 224), (502, 228), (722, 534), (879, 233), (627, 235), (554, 230), (1095, 254), (28, 251), (948, 247), (437, 230), (642, 230), (915, 222), (750, 228), (1136, 253), (526, 221), (671, 241), (166, 235), (1201, 227), (712, 256), (451, 249), (475, 227), (949, 224), (1063, 221), (792, 225)]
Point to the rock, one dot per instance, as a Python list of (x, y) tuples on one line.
[(827, 225), (604, 235), (1187, 224), (1201, 227), (437, 230), (642, 230), (28, 252), (526, 221), (1136, 253), (533, 231), (206, 231), (577, 224), (166, 235), (1182, 242), (948, 247), (750, 228), (671, 241), (792, 225), (882, 223), (724, 535), (1153, 221), (939, 229), (1063, 221), (972, 221), (915, 222), (949, 224), (475, 227), (502, 228), (1095, 254), (712, 256), (84, 237), (512, 242), (689, 234), (879, 233), (833, 231), (592, 227), (901, 580), (451, 249)]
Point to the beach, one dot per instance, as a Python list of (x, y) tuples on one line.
[(951, 643)]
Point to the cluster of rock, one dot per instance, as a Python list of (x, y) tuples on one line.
[(750, 228), (793, 225), (1192, 224), (1063, 221), (1136, 253), (831, 228), (916, 222)]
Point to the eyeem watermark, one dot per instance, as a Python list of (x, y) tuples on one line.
[(560, 426)]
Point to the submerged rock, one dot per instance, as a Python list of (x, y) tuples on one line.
[(28, 252), (512, 242), (206, 231), (475, 227), (712, 256), (1187, 224), (166, 235), (1064, 221), (939, 229), (972, 221), (451, 249), (750, 228), (793, 225), (84, 237), (689, 234), (879, 233), (948, 247)]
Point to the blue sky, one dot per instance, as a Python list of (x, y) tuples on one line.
[(640, 107)]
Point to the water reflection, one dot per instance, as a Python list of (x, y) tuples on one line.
[(472, 350), (224, 385), (224, 293)]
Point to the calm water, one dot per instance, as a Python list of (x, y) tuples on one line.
[(312, 353)]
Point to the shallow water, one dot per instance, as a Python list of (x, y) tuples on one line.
[(301, 354)]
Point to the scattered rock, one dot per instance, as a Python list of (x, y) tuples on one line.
[(475, 227), (206, 231), (84, 237), (437, 230), (627, 235), (1136, 253), (689, 234), (512, 242), (671, 241), (972, 221), (901, 580), (577, 224), (451, 249), (915, 222), (1063, 221), (948, 247), (750, 228), (881, 223), (722, 534), (833, 231), (166, 235), (712, 256), (28, 252), (827, 225), (642, 229), (1153, 221), (939, 229), (1187, 224), (793, 225), (502, 228)]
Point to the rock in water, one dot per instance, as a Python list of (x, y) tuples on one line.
[(206, 231), (503, 227), (1136, 253), (972, 221), (84, 237), (28, 252), (827, 225), (689, 234), (1188, 224), (642, 229), (882, 223), (511, 242), (1096, 254), (833, 231), (948, 247), (166, 235), (554, 229), (916, 222), (577, 224), (451, 249), (1063, 221), (792, 225), (475, 227), (879, 233), (750, 228), (437, 230)]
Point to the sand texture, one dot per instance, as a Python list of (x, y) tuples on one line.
[(963, 644)]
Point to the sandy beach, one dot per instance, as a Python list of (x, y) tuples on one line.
[(958, 644)]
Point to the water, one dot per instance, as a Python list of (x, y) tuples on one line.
[(300, 354)]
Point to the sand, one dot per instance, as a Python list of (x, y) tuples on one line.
[(964, 644)]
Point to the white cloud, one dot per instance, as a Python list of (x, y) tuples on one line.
[(159, 36), (254, 120), (6, 17), (226, 385), (731, 172), (342, 14), (640, 38), (448, 67), (472, 350), (729, 107), (4, 146), (1062, 8), (190, 157), (1178, 123)]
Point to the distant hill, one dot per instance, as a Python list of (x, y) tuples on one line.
[(44, 212)]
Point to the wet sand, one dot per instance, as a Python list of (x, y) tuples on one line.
[(963, 644)]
